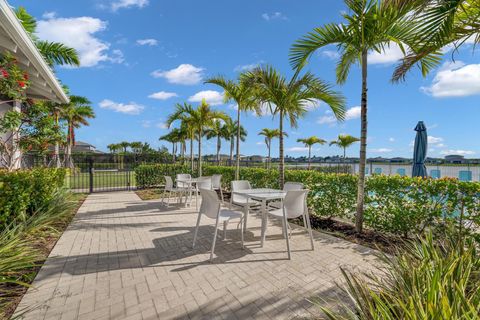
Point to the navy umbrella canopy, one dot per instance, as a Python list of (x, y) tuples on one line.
[(420, 151)]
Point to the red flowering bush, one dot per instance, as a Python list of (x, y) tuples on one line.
[(13, 80)]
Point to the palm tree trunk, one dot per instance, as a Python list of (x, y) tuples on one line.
[(191, 153), (57, 155), (68, 151), (281, 165), (200, 153), (363, 148), (232, 146), (237, 169), (309, 156), (269, 153), (173, 151), (218, 150)]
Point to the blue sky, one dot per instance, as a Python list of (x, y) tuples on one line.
[(140, 57)]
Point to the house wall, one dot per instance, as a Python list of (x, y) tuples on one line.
[(4, 108)]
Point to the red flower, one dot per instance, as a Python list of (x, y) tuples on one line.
[(25, 76), (21, 84), (4, 73)]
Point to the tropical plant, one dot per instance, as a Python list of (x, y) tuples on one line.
[(172, 138), (309, 143), (201, 118), (371, 25), (289, 99), (216, 131), (53, 52), (76, 113), (242, 94), (13, 80), (230, 131), (344, 141), (113, 147), (426, 279), (439, 24), (269, 134)]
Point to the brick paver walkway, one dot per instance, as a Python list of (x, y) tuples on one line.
[(124, 258)]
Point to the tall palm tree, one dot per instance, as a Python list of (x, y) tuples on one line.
[(439, 23), (289, 99), (53, 52), (201, 118), (230, 130), (184, 113), (344, 141), (371, 25), (216, 131), (171, 137), (309, 143), (76, 113), (55, 110), (136, 147), (242, 94), (270, 134), (113, 147)]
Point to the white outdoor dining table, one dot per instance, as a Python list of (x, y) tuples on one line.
[(190, 183), (263, 195)]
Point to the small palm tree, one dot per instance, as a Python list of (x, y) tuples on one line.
[(53, 52), (184, 113), (113, 147), (269, 135), (309, 143), (242, 94), (216, 131), (76, 113), (371, 25), (230, 131), (289, 99), (171, 137), (344, 141)]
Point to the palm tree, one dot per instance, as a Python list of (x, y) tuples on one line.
[(76, 113), (269, 135), (217, 131), (290, 98), (370, 25), (439, 23), (243, 95), (309, 143), (230, 130), (201, 118), (113, 147), (172, 138), (344, 141), (136, 147), (184, 113), (53, 52)]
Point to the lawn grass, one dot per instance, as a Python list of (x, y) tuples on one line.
[(149, 194), (101, 180)]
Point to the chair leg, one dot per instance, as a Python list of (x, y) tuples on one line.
[(196, 200), (196, 229), (163, 198), (214, 241), (283, 229), (286, 232), (221, 194), (246, 209), (310, 230), (225, 223), (241, 232)]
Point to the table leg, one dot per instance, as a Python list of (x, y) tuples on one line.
[(264, 221)]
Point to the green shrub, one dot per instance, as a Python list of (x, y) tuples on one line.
[(152, 175), (23, 192)]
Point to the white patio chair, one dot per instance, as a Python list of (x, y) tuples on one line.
[(288, 186), (294, 205), (242, 201), (202, 183), (211, 208), (183, 176), (217, 184), (170, 189)]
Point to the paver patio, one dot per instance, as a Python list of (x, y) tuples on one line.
[(124, 258)]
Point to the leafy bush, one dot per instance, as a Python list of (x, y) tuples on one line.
[(426, 280), (23, 192), (152, 175)]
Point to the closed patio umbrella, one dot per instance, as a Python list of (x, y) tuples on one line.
[(420, 151)]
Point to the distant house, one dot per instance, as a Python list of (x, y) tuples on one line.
[(255, 158), (400, 160), (84, 147), (455, 159)]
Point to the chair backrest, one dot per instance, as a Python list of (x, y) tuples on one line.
[(168, 182), (210, 204), (217, 181), (289, 186), (204, 183), (240, 185), (183, 176), (295, 203)]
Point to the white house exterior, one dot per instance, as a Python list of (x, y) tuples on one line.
[(43, 83)]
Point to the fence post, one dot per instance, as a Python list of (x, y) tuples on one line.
[(90, 174)]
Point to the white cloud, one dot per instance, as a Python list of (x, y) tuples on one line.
[(327, 120), (161, 125), (131, 108), (212, 97), (459, 152), (434, 140), (147, 42), (314, 104), (297, 149), (49, 15), (381, 150), (260, 143), (185, 74), (247, 67), (79, 33), (389, 56), (163, 95), (353, 113), (330, 54), (119, 4), (455, 79), (146, 123), (391, 139), (274, 16)]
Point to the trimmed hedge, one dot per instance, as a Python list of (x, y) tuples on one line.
[(393, 204), (23, 192)]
